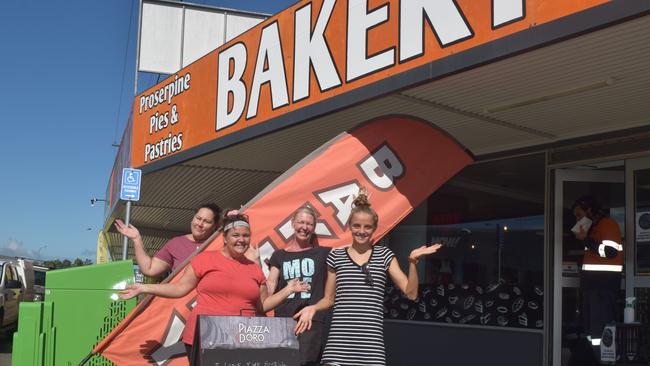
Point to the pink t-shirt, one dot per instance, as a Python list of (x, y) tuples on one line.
[(226, 287), (176, 250)]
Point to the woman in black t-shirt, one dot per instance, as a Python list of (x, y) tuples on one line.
[(305, 261)]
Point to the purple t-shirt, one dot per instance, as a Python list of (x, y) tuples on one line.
[(176, 250)]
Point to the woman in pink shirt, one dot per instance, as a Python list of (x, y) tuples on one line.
[(226, 282), (204, 223)]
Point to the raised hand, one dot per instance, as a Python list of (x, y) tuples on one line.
[(364, 191), (232, 213), (424, 250), (131, 291), (130, 231)]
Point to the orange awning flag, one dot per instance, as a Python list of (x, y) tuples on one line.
[(399, 159)]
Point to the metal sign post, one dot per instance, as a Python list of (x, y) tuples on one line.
[(130, 191), (125, 240)]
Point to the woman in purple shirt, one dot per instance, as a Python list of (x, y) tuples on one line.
[(204, 223)]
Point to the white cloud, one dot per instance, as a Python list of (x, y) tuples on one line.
[(15, 248)]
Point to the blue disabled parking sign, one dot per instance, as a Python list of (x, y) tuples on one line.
[(131, 179)]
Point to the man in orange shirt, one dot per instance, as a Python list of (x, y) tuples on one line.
[(602, 265)]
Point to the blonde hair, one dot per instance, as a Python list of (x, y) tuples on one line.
[(304, 209), (362, 204)]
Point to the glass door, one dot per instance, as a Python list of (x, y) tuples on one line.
[(606, 182), (637, 272)]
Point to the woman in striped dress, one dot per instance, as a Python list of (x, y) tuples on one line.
[(355, 287)]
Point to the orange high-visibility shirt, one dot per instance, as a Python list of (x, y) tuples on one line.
[(604, 229)]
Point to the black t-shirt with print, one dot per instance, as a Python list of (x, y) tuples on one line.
[(309, 266)]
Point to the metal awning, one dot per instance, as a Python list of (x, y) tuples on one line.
[(592, 85)]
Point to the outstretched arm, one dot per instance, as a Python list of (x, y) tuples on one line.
[(149, 266), (172, 290), (306, 315), (272, 301), (409, 285)]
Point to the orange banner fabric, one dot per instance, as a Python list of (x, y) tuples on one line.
[(399, 159)]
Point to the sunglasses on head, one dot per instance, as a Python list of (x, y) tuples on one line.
[(366, 271)]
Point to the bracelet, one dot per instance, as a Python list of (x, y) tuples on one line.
[(413, 260)]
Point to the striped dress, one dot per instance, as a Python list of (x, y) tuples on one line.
[(356, 334)]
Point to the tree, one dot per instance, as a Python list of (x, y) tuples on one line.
[(66, 263)]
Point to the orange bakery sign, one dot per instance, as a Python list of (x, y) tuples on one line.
[(312, 52)]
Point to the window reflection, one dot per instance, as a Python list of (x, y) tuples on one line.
[(490, 271)]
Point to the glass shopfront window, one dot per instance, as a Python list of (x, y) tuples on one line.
[(490, 220)]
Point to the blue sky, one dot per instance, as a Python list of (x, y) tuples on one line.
[(65, 95)]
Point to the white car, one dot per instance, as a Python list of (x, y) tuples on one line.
[(39, 282), (16, 285)]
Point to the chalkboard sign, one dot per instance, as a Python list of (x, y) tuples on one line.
[(245, 341)]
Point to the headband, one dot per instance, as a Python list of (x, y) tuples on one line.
[(235, 224)]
